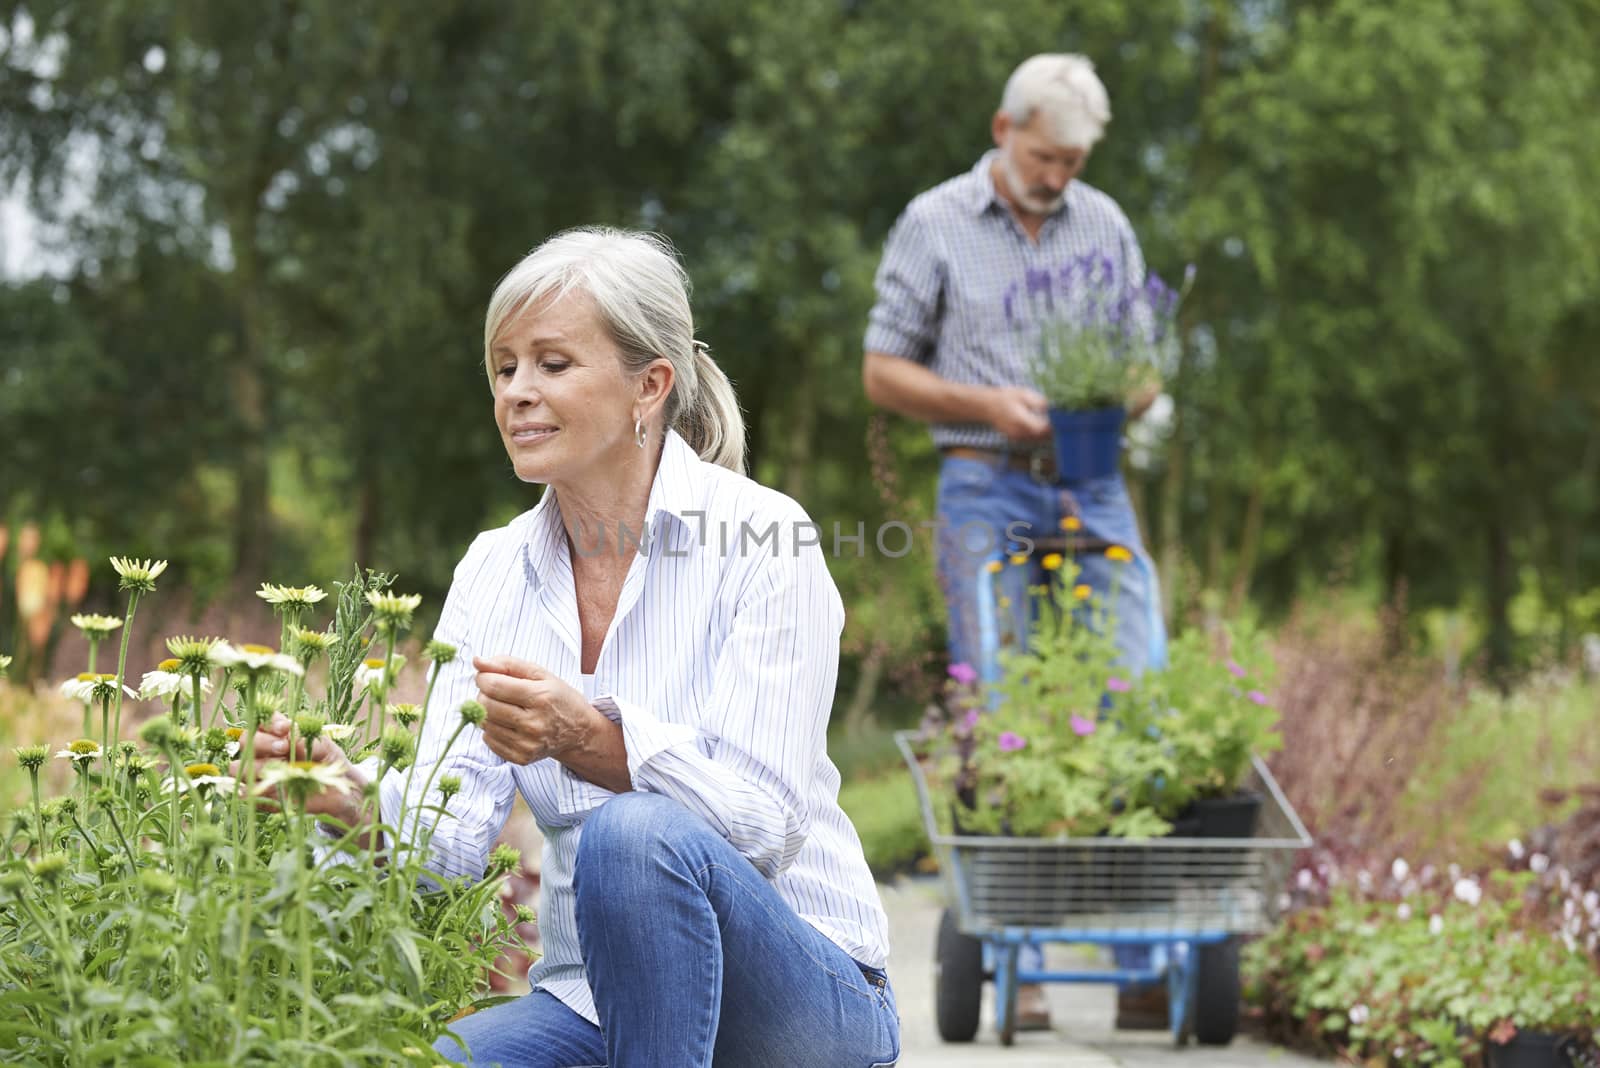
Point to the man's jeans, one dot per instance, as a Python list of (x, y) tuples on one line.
[(984, 509), (693, 959)]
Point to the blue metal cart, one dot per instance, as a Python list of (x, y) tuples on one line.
[(1187, 899)]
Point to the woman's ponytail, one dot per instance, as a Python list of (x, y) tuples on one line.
[(709, 419)]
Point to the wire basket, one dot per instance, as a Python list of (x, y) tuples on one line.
[(1154, 886)]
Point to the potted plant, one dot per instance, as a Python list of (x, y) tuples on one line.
[(1215, 714), (1097, 342), (1051, 749)]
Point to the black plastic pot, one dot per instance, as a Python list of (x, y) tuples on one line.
[(1533, 1049), (1219, 817)]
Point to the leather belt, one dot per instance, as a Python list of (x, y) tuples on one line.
[(1040, 464)]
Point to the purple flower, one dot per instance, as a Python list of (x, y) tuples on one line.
[(1082, 726), (1233, 666), (963, 673), (1011, 741), (970, 720), (1258, 697), (1117, 684)]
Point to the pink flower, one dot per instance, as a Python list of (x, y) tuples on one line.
[(1011, 741), (1117, 684), (1258, 697), (970, 720), (1082, 727), (1233, 666), (963, 673)]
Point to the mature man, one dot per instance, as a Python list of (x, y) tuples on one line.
[(939, 348)]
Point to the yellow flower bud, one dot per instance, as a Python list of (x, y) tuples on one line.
[(1117, 554), (1052, 562)]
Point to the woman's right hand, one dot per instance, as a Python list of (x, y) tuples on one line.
[(272, 743)]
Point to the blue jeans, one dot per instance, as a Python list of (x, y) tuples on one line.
[(693, 959), (985, 508)]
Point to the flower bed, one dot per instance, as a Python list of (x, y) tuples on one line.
[(156, 913), (1430, 967)]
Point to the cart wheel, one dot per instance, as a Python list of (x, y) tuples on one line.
[(1216, 1009), (957, 982)]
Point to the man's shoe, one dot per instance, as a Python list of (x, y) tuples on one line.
[(1033, 1010), (1143, 1009)]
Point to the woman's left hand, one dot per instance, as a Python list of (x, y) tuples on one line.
[(532, 714)]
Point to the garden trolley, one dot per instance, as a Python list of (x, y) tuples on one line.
[(1188, 899)]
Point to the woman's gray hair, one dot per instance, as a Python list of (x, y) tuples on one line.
[(1065, 90), (642, 294)]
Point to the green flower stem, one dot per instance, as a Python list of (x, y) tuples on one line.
[(122, 656), (222, 692), (133, 860), (303, 892), (106, 752), (428, 785), (94, 655), (38, 812), (248, 858), (199, 708), (176, 768)]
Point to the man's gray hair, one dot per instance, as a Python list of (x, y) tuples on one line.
[(1064, 89)]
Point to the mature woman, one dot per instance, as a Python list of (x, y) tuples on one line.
[(656, 645)]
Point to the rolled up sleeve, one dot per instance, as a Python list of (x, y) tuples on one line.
[(910, 283), (746, 769)]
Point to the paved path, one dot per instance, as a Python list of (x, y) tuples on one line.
[(1082, 1014)]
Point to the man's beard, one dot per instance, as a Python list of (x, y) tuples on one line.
[(1029, 201)]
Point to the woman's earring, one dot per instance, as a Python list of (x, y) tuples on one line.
[(638, 432)]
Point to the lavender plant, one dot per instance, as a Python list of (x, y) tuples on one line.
[(1095, 339)]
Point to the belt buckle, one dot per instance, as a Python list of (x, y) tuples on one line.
[(1036, 468)]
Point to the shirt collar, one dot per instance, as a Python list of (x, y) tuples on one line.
[(985, 196), (675, 492)]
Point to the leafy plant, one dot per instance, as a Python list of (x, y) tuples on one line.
[(1425, 980), (157, 913), (1067, 742), (1217, 712)]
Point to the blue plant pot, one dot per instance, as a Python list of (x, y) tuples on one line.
[(1088, 443)]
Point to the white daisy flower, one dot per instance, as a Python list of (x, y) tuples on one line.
[(166, 681), (1468, 891), (80, 752), (290, 597), (1435, 924), (370, 675), (96, 627), (338, 731), (89, 687), (138, 574), (255, 659)]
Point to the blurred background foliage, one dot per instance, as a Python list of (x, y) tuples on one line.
[(245, 334)]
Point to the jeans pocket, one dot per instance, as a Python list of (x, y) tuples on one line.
[(961, 477)]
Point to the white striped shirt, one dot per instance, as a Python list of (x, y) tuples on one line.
[(719, 664)]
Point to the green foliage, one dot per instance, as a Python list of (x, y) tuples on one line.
[(1488, 763), (1222, 714), (1067, 743), (157, 914), (266, 330), (1422, 982)]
